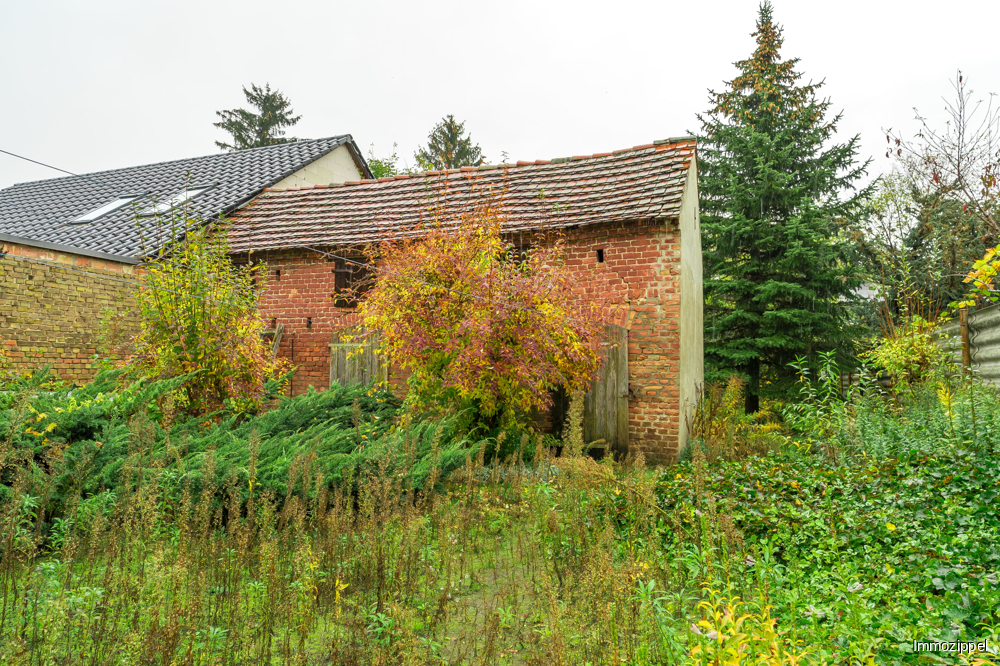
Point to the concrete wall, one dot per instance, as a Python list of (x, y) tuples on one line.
[(52, 312), (692, 371), (641, 273), (337, 166)]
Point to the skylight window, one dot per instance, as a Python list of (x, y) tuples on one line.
[(173, 202), (105, 209)]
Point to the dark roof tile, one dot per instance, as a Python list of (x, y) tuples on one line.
[(42, 210)]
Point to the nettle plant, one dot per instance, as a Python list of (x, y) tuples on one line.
[(480, 324), (196, 314)]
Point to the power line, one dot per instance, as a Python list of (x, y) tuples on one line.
[(267, 311), (345, 259), (28, 159)]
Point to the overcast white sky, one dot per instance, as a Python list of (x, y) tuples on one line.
[(101, 85)]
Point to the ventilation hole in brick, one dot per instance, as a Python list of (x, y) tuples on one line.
[(277, 273), (274, 322), (309, 322), (600, 256)]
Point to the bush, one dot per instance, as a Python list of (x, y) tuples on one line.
[(197, 315), (481, 327), (908, 352), (85, 439)]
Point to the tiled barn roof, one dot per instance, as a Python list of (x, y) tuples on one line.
[(44, 210), (640, 183)]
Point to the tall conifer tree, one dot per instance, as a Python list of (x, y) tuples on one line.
[(448, 147), (776, 194), (265, 127)]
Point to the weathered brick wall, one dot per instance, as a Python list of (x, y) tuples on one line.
[(50, 314), (299, 295), (640, 272)]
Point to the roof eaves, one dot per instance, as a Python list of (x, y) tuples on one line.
[(359, 159), (68, 249)]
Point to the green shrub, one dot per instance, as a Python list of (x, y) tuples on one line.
[(85, 438)]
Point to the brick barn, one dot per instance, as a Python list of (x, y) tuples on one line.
[(630, 223)]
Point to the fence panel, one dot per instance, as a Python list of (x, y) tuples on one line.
[(605, 406), (354, 358), (984, 342)]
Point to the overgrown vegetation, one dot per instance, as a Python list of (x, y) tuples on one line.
[(176, 510), (331, 529)]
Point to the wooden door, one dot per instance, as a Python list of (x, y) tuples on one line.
[(605, 406)]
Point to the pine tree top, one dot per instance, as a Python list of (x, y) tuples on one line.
[(448, 147), (263, 127), (767, 88)]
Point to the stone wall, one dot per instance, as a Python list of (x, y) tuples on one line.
[(51, 307), (638, 267)]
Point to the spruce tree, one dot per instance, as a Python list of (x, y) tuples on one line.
[(264, 127), (448, 147), (776, 196)]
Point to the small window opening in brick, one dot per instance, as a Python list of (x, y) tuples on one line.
[(274, 322), (309, 322), (277, 274), (351, 279), (600, 256)]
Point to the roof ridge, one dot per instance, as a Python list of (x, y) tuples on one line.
[(341, 138), (659, 144)]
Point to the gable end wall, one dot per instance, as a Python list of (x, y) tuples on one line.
[(337, 166)]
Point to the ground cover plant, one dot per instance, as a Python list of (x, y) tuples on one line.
[(871, 526), (886, 535)]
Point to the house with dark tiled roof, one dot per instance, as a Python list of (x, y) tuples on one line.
[(628, 218), (69, 246)]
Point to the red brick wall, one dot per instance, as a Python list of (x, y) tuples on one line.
[(299, 296), (640, 271), (52, 312)]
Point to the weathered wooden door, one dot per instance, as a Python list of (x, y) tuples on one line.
[(605, 407), (354, 359)]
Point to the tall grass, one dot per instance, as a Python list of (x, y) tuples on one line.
[(763, 548), (519, 562)]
